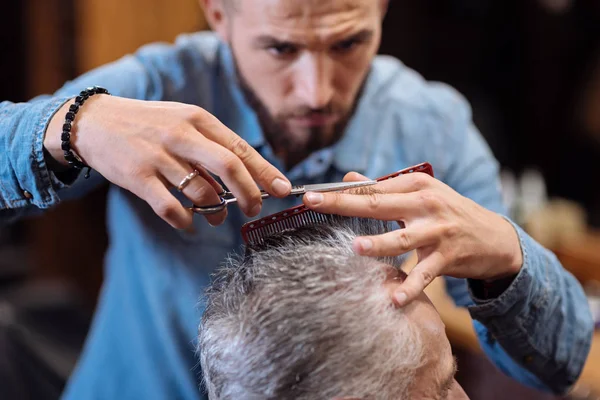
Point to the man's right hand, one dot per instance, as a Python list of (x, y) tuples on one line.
[(149, 147)]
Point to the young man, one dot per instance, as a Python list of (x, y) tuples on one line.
[(281, 85)]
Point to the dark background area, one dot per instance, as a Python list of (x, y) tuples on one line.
[(524, 69)]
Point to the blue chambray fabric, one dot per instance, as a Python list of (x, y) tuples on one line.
[(141, 343)]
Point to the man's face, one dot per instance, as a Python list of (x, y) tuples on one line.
[(435, 379), (302, 64)]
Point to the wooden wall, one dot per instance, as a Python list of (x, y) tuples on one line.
[(64, 39), (111, 28)]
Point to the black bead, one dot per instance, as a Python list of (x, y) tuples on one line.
[(74, 108), (67, 127), (66, 146), (78, 99), (69, 157), (65, 137), (70, 116), (91, 89)]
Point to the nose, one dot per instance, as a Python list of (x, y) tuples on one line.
[(314, 80)]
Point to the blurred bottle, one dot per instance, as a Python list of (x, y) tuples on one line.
[(508, 183), (533, 194)]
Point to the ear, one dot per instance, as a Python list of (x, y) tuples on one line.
[(217, 17)]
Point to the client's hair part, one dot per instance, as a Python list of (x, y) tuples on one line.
[(302, 317)]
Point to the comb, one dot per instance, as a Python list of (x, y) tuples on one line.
[(255, 232)]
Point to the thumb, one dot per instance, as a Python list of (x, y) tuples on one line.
[(354, 177), (419, 278)]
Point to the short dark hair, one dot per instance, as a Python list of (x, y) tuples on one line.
[(302, 317)]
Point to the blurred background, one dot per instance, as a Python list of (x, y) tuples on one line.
[(530, 69)]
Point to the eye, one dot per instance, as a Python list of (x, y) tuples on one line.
[(345, 46), (282, 50)]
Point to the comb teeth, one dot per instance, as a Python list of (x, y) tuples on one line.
[(255, 232)]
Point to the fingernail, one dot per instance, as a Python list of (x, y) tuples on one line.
[(401, 298), (365, 244), (280, 187), (314, 198)]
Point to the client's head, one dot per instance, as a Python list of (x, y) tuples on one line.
[(302, 317)]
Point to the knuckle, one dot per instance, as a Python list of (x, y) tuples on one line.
[(426, 277), (263, 173), (420, 180), (430, 201), (402, 239), (155, 159), (174, 134), (450, 230), (373, 201), (336, 200), (230, 164), (138, 171), (167, 209), (195, 114), (240, 148)]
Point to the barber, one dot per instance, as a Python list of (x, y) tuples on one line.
[(280, 85)]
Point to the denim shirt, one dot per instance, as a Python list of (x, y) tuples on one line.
[(141, 343)]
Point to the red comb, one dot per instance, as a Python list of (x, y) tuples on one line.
[(255, 232)]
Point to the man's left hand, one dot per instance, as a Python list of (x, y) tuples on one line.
[(452, 234)]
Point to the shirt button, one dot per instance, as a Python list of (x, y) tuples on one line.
[(528, 359), (27, 195)]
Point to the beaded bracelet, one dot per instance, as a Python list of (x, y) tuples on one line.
[(73, 159)]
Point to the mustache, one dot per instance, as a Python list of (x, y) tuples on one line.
[(304, 111)]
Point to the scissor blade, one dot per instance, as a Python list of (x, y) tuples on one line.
[(333, 187)]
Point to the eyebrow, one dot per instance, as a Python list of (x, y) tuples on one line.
[(268, 40)]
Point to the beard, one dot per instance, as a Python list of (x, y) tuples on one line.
[(293, 146)]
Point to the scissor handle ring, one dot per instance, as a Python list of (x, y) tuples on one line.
[(210, 209)]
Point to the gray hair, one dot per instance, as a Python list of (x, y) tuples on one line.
[(302, 317)]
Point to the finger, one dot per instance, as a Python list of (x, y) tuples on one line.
[(354, 177), (164, 204), (387, 207), (202, 190), (199, 150), (210, 179), (394, 243), (269, 177), (407, 183), (417, 280), (218, 218)]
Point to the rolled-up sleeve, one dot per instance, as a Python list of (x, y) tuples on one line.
[(25, 179), (542, 319)]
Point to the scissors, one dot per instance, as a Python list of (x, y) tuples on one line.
[(228, 198)]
